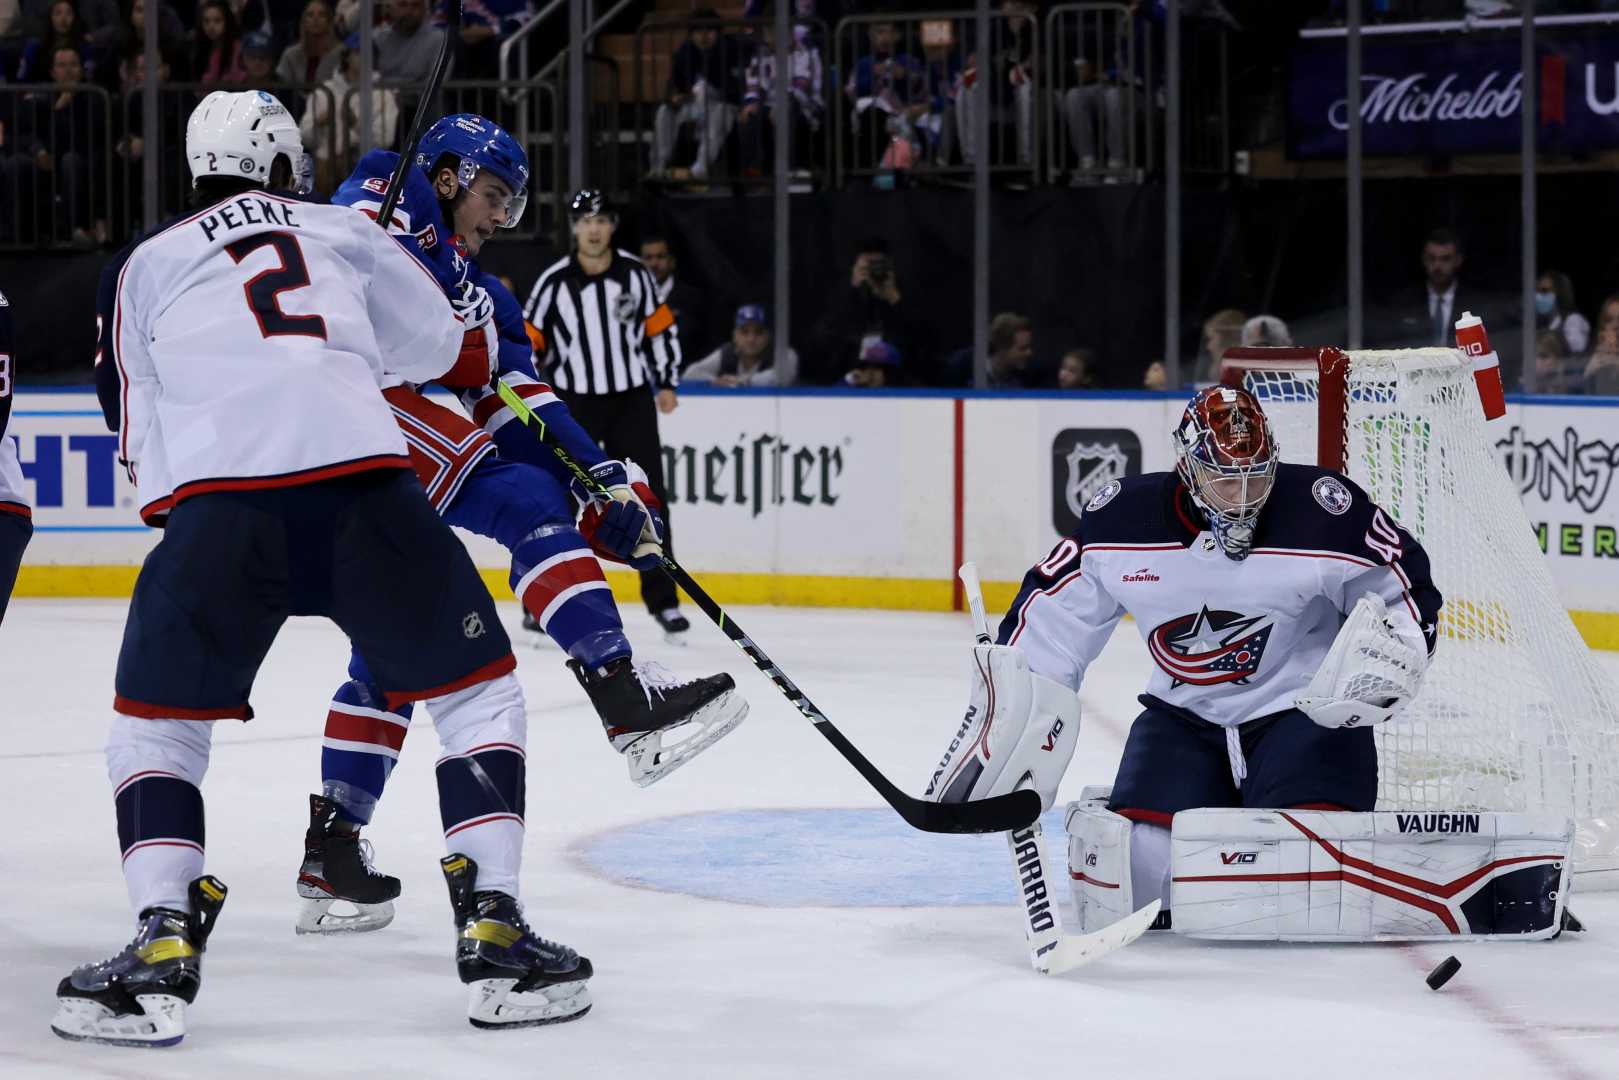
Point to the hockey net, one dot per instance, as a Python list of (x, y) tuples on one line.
[(1514, 713)]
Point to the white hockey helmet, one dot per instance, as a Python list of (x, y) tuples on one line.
[(241, 134)]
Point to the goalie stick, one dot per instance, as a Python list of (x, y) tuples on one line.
[(1051, 952), (435, 83), (1000, 814)]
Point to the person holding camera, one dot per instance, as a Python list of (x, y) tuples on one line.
[(872, 306)]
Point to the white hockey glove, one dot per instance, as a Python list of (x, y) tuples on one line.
[(1019, 732), (480, 340), (1369, 673)]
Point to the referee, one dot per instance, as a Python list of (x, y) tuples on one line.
[(609, 351)]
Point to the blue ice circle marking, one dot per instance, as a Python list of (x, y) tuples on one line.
[(814, 858)]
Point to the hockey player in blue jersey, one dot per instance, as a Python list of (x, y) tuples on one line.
[(491, 476)]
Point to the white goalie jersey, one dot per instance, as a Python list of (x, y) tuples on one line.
[(1230, 641)]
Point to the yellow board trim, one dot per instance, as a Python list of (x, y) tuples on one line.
[(1599, 628)]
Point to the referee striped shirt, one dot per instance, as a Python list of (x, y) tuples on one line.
[(602, 333)]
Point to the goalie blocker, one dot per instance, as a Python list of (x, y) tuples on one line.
[(1308, 875)]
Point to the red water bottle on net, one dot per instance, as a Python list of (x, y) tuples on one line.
[(1472, 339)]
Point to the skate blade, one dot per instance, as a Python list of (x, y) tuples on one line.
[(316, 917), (492, 1005), (677, 637), (84, 1020), (650, 761)]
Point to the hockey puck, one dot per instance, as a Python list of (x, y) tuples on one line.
[(1442, 972)]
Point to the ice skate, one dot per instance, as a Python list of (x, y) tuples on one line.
[(514, 977), (640, 705), (673, 624), (139, 997), (337, 867)]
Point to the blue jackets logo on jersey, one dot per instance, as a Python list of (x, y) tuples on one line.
[(1210, 647), (1332, 495)]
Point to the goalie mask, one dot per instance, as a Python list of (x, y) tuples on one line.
[(1225, 454)]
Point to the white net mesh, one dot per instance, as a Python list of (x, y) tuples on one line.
[(1514, 713)]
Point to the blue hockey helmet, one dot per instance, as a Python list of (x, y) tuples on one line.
[(482, 146)]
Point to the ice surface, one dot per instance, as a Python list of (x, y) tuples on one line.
[(850, 946)]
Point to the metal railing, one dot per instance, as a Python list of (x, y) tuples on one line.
[(1101, 76), (731, 127), (58, 177), (910, 84)]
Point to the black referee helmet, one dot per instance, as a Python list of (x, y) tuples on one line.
[(590, 202)]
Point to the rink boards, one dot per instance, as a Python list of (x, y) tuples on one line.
[(850, 499)]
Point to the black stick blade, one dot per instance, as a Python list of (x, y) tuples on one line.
[(1003, 813)]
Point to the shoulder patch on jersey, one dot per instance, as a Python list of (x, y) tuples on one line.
[(1105, 496), (1330, 492)]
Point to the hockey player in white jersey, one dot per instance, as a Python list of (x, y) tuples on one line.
[(248, 339), (1285, 615), (16, 517)]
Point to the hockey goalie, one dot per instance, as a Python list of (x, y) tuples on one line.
[(1285, 615)]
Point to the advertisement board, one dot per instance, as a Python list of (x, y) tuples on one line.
[(1455, 94), (852, 500)]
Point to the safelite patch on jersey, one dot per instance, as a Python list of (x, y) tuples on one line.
[(1332, 495), (1105, 496)]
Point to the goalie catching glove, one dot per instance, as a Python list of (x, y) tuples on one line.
[(479, 358), (628, 527), (1369, 674), (1019, 732)]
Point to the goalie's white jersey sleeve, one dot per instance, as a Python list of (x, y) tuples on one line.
[(249, 343), (1230, 641)]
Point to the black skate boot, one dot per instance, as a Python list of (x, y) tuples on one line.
[(639, 704), (673, 624), (337, 866), (514, 977), (139, 997)]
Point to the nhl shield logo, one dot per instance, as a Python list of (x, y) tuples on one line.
[(1087, 467)]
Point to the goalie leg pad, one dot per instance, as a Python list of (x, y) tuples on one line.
[(1098, 861), (1019, 732), (1308, 875)]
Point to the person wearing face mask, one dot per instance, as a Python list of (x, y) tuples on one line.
[(1554, 310)]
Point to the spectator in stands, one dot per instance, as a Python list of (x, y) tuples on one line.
[(758, 113), (258, 61), (129, 147), (879, 365), (1554, 372), (1105, 73), (1555, 310), (1602, 370), (941, 71), (1009, 76), (330, 126), (1221, 331), (872, 306), (1156, 377), (37, 18), (683, 298), (483, 24), (1428, 317), (705, 91), (216, 47), (129, 33), (317, 52), (1075, 372), (1267, 331), (1011, 348), (748, 358), (66, 29), (64, 131), (882, 90)]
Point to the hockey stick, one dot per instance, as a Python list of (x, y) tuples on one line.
[(999, 814), (435, 83), (1051, 952)]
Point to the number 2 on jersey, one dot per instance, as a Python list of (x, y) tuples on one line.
[(264, 289)]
